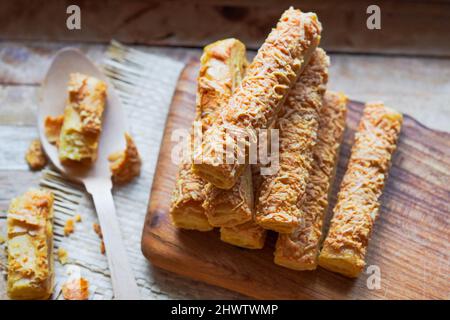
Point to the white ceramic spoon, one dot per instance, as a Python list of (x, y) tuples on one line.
[(97, 178)]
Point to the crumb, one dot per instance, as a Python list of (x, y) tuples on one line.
[(69, 227), (98, 230), (52, 127), (35, 156), (2, 239), (62, 255), (126, 164), (76, 289), (102, 247), (77, 218)]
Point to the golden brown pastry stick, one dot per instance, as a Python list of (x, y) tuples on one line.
[(257, 101), (282, 193), (357, 206), (300, 249), (80, 132), (229, 207), (249, 234), (222, 66), (30, 246)]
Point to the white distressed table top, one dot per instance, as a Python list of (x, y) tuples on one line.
[(419, 87)]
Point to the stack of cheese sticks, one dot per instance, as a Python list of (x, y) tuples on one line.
[(283, 88)]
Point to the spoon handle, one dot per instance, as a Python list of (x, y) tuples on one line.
[(123, 282)]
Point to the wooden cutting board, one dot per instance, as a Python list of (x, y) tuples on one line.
[(410, 243)]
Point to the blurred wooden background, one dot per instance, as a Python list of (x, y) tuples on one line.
[(413, 27)]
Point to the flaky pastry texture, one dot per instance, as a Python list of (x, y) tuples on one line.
[(222, 65), (358, 204), (256, 102), (300, 249), (30, 245), (283, 192)]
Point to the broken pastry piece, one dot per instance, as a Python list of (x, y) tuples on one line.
[(52, 128), (69, 227), (300, 249), (30, 245), (76, 288), (35, 156), (222, 66), (63, 256), (82, 125), (283, 192), (256, 102), (125, 165), (358, 201)]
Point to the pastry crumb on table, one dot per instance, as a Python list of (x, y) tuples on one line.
[(125, 165), (98, 231), (76, 288), (35, 155), (69, 227), (63, 255)]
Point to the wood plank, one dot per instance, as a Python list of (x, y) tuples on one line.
[(408, 27), (409, 244)]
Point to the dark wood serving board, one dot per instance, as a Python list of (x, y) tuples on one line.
[(410, 243)]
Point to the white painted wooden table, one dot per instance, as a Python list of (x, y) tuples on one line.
[(419, 87)]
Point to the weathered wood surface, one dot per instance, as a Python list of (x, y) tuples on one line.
[(417, 86), (410, 243), (407, 27)]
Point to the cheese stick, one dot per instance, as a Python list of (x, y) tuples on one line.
[(30, 246), (222, 66), (82, 125), (247, 235), (300, 249), (283, 192), (255, 104), (357, 206)]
